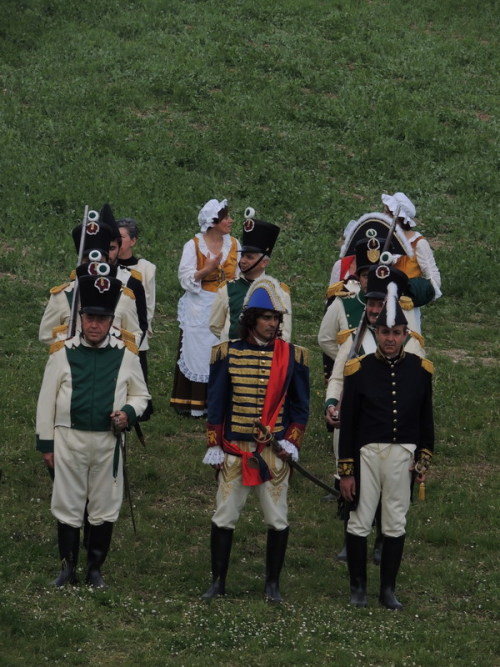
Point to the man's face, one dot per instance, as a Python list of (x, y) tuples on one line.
[(391, 339), (95, 328), (114, 249), (363, 279), (267, 325), (373, 310), (247, 260)]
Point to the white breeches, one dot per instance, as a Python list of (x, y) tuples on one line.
[(232, 495), (384, 475), (84, 470)]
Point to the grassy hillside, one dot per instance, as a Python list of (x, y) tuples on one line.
[(306, 110)]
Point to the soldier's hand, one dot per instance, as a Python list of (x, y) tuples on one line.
[(48, 459), (348, 487), (332, 416), (119, 420)]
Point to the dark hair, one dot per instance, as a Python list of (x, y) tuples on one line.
[(248, 321), (130, 225), (223, 213)]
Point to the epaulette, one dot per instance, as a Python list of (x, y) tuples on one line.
[(428, 366), (131, 346), (406, 303), (56, 346), (418, 337), (219, 352), (336, 289), (59, 329), (301, 355), (136, 274), (128, 292), (127, 336), (352, 366), (285, 288), (72, 275), (59, 288), (343, 335)]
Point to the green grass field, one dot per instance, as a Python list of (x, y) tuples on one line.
[(306, 110)]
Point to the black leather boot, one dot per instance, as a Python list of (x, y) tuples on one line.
[(379, 538), (99, 543), (86, 527), (389, 567), (356, 562), (342, 554), (277, 541), (68, 539), (221, 540)]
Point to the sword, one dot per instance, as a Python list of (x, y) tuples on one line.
[(140, 434), (269, 437), (120, 438)]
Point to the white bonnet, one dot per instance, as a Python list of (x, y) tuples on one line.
[(400, 204), (208, 215)]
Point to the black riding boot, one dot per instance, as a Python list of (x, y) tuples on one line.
[(356, 562), (69, 544), (342, 554), (379, 538), (389, 567), (277, 541), (221, 540), (86, 526), (99, 543)]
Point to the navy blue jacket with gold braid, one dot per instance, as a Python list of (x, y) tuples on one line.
[(239, 373)]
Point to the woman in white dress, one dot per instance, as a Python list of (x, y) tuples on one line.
[(208, 259)]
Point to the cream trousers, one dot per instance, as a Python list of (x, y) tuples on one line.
[(385, 475), (84, 469)]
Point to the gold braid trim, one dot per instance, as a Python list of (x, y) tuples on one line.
[(345, 467), (285, 288), (343, 335), (59, 329), (131, 346), (428, 366), (335, 289), (406, 303), (424, 461), (301, 355), (127, 336), (59, 288), (418, 337), (128, 292), (136, 274), (352, 366), (219, 352), (56, 346)]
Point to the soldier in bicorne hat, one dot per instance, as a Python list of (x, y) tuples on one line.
[(93, 389), (386, 431), (382, 280), (257, 243), (262, 378)]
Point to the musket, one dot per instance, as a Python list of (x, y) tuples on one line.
[(74, 301), (121, 438), (277, 448)]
